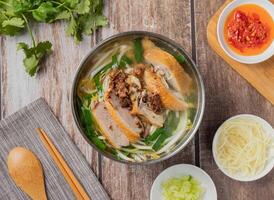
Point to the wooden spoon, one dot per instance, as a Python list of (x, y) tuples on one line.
[(26, 171)]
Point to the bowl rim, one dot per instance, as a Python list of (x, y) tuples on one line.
[(252, 59), (269, 166), (200, 86)]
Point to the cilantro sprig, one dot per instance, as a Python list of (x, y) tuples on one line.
[(83, 17)]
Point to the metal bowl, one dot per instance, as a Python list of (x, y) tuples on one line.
[(167, 44)]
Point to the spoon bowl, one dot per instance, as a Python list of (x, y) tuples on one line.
[(27, 172)]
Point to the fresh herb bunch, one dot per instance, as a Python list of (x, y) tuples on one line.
[(83, 16)]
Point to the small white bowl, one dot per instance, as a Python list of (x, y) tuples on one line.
[(183, 170), (269, 52), (270, 163)]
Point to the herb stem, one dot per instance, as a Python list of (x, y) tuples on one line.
[(29, 30), (62, 4)]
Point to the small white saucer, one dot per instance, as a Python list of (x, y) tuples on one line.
[(184, 170)]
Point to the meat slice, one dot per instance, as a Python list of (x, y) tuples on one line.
[(108, 127), (130, 125), (154, 84), (142, 109), (162, 60)]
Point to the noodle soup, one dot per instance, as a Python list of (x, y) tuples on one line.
[(137, 99)]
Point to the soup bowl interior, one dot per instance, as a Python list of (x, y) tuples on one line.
[(198, 96)]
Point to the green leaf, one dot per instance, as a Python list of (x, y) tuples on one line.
[(72, 26), (15, 21), (22, 45), (11, 26), (74, 29), (43, 48), (71, 3), (138, 50), (46, 12), (63, 15), (97, 6), (90, 22), (83, 7), (100, 20), (31, 65), (34, 55), (20, 7), (25, 47)]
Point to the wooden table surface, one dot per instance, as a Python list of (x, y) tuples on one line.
[(185, 22)]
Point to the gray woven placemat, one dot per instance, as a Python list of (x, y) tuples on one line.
[(19, 130)]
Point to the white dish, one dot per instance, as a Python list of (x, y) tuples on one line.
[(183, 170), (269, 52), (270, 164)]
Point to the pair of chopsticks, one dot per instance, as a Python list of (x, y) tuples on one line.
[(76, 187)]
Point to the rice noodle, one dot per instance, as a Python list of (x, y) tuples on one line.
[(243, 147)]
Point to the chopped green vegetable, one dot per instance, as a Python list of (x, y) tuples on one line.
[(125, 61), (155, 135), (90, 132), (191, 114), (180, 58), (138, 50), (115, 61), (170, 125), (86, 98), (183, 188), (97, 77), (83, 16), (99, 143), (88, 121), (97, 82)]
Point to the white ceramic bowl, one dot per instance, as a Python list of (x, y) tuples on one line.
[(269, 52), (270, 163), (184, 170)]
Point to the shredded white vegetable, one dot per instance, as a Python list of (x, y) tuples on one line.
[(243, 147)]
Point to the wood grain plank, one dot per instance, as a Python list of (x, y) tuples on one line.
[(227, 94), (53, 82), (172, 19)]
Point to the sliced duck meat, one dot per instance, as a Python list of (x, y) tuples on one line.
[(128, 123), (108, 127), (155, 85), (165, 62), (153, 101), (140, 108)]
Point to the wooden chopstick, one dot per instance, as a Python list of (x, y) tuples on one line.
[(76, 187)]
